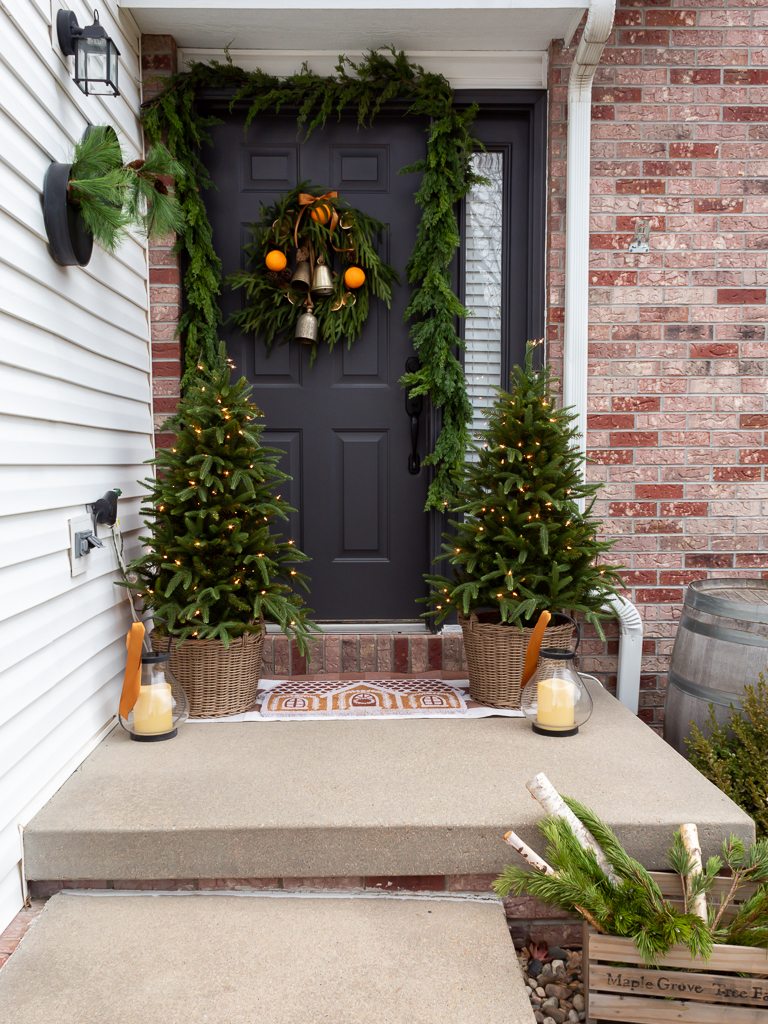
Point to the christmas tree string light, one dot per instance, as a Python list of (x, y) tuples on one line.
[(201, 564), (520, 523)]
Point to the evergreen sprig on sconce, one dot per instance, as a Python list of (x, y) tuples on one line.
[(113, 196)]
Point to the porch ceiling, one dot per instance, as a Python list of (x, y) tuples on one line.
[(351, 26)]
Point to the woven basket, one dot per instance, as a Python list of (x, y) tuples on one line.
[(218, 680), (496, 657)]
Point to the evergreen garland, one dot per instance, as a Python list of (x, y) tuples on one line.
[(274, 307), (381, 76), (522, 546), (214, 566), (113, 196)]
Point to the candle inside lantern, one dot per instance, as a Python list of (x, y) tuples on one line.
[(153, 711), (556, 699)]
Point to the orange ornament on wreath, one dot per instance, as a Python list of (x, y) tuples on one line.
[(322, 214), (354, 277), (276, 260)]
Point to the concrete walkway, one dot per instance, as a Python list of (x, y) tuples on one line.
[(361, 797), (221, 959)]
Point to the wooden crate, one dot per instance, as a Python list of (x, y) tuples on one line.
[(730, 988)]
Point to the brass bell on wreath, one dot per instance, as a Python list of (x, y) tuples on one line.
[(307, 328), (322, 283), (302, 277)]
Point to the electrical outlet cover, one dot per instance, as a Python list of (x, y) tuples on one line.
[(79, 524)]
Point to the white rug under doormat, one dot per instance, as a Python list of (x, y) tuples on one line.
[(281, 700)]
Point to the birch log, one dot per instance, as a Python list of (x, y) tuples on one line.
[(542, 790), (528, 854), (690, 835), (539, 864)]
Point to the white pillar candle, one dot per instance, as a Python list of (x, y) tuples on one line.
[(555, 705), (153, 711)]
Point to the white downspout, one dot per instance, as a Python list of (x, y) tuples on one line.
[(630, 651), (577, 193), (585, 63)]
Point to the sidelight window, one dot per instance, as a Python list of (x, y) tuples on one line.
[(483, 284)]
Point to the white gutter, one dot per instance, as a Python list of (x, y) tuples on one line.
[(585, 64)]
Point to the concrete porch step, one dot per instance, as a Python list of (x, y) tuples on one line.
[(232, 959), (276, 800)]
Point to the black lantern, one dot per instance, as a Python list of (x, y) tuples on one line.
[(95, 54)]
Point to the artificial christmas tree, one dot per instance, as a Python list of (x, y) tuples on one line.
[(215, 570), (522, 546)]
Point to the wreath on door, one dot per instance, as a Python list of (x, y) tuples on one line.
[(313, 267)]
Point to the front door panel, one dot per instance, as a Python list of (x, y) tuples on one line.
[(342, 424)]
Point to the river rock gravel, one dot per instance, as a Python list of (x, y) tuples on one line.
[(556, 988)]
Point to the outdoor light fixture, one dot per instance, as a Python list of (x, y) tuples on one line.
[(95, 54)]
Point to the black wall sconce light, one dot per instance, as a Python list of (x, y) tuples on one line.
[(94, 52)]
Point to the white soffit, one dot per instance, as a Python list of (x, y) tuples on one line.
[(348, 26)]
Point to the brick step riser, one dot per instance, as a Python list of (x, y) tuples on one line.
[(527, 918)]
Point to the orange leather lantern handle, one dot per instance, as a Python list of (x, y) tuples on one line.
[(132, 677), (534, 645)]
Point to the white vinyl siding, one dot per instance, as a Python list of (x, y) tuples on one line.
[(482, 277), (75, 421)]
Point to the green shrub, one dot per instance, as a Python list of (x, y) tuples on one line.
[(735, 756)]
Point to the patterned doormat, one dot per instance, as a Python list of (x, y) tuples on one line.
[(325, 699)]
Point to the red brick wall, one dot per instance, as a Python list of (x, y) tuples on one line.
[(677, 413), (158, 62), (678, 344)]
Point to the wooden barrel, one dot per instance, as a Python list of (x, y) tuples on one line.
[(721, 646)]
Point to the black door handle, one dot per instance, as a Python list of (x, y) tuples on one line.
[(414, 407)]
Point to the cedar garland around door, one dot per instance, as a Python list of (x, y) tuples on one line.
[(380, 77)]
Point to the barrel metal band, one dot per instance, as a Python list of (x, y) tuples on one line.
[(733, 636), (704, 692), (724, 606)]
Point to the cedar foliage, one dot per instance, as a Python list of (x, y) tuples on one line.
[(364, 87), (735, 756), (522, 546), (269, 313), (114, 196), (636, 908), (215, 564)]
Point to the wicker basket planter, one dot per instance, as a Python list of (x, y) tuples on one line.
[(496, 657), (218, 680), (730, 987)]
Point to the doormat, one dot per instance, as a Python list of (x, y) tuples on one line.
[(284, 700)]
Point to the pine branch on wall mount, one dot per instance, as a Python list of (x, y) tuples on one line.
[(100, 197)]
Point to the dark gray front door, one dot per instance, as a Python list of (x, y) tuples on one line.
[(342, 424)]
